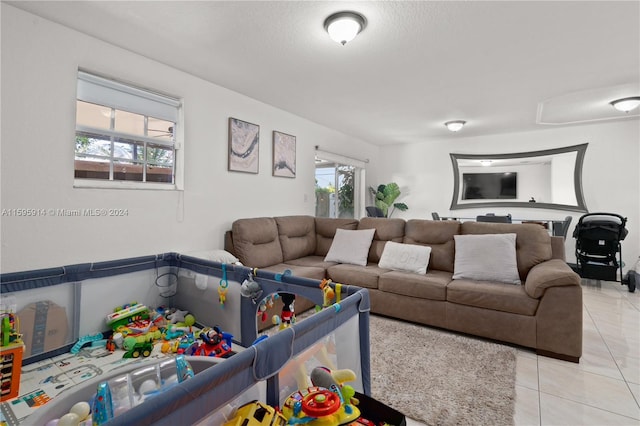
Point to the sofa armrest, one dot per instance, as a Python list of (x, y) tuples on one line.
[(551, 273), (228, 242)]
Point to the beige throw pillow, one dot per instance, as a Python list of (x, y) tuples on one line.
[(487, 257), (405, 257), (350, 246)]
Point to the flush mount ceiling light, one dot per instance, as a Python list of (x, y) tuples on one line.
[(455, 125), (344, 26), (626, 104)]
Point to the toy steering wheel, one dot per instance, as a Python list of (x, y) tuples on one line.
[(320, 403)]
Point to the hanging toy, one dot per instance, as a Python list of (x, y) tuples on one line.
[(250, 288), (223, 287), (327, 293), (287, 316)]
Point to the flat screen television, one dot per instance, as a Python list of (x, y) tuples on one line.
[(489, 186)]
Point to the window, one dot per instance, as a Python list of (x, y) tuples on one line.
[(339, 183), (125, 136)]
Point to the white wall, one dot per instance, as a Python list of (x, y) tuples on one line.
[(39, 64), (40, 60), (610, 174)]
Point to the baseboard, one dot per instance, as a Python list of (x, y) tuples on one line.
[(555, 355)]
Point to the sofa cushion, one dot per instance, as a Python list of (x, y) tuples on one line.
[(297, 236), (533, 242), (326, 230), (256, 242), (405, 257), (436, 234), (361, 276), (350, 246), (386, 230), (491, 295), (487, 257), (315, 261), (432, 285)]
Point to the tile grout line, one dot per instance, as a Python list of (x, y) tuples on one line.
[(613, 358)]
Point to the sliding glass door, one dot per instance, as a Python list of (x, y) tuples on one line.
[(338, 188)]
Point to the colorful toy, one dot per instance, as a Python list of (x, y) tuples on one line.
[(327, 402), (214, 342), (265, 304), (287, 316), (9, 331), (256, 413), (327, 293), (135, 349), (318, 406), (128, 314), (223, 287), (85, 340)]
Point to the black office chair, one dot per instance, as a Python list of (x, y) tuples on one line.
[(373, 211), (493, 218), (435, 216)]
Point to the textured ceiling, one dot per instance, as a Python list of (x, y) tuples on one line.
[(497, 65)]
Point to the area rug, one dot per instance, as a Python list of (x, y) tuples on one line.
[(439, 377)]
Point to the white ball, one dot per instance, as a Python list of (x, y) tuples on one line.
[(147, 386), (82, 409), (69, 419)]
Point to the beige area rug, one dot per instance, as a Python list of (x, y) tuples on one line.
[(441, 378)]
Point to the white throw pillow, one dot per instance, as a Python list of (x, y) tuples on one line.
[(405, 257), (350, 246), (487, 257)]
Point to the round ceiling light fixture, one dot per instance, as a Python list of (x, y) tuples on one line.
[(455, 125), (626, 104), (344, 26)]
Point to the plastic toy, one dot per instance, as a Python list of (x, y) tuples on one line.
[(138, 349), (214, 342), (327, 402), (265, 304), (287, 316), (223, 287), (256, 413), (327, 292), (123, 316), (317, 406), (9, 332), (84, 340)]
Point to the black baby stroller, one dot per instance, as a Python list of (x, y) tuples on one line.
[(598, 248)]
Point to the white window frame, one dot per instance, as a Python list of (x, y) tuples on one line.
[(114, 94)]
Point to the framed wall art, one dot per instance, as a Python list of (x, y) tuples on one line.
[(284, 155), (244, 144)]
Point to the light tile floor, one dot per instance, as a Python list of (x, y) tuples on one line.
[(604, 388)]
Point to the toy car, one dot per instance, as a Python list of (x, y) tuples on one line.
[(138, 349)]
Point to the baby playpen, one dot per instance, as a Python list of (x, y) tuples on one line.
[(64, 304)]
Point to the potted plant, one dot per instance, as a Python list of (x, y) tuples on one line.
[(384, 197)]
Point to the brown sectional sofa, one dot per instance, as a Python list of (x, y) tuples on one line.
[(544, 313)]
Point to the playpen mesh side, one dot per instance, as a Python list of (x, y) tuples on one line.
[(254, 368), (210, 391)]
